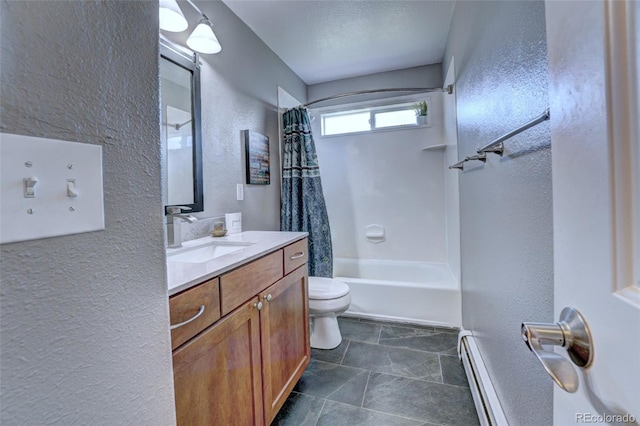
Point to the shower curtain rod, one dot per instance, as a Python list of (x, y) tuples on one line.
[(448, 89)]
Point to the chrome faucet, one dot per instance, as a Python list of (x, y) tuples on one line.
[(174, 217)]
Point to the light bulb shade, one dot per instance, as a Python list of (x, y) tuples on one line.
[(171, 17), (203, 40)]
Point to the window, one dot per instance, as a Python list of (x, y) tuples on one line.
[(401, 117), (346, 122), (368, 119)]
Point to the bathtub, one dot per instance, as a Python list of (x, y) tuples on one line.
[(403, 291)]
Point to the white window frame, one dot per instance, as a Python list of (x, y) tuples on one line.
[(373, 107)]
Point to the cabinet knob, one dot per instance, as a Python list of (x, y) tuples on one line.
[(258, 305), (268, 297)]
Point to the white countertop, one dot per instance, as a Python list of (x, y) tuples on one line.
[(182, 275)]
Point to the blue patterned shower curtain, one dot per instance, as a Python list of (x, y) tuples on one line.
[(303, 208)]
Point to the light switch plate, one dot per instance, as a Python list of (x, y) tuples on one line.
[(49, 188), (239, 192)]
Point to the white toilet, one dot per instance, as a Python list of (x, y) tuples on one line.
[(328, 298)]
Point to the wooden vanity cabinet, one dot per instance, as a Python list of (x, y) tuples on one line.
[(284, 330), (295, 255), (196, 308), (217, 375), (247, 281), (241, 369)]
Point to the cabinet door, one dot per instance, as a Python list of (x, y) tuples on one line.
[(217, 374), (284, 325)]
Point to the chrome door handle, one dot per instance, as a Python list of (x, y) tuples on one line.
[(268, 297), (571, 333)]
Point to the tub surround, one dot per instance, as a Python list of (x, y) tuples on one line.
[(253, 244), (364, 185)]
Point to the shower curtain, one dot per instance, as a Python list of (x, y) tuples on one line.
[(303, 208)]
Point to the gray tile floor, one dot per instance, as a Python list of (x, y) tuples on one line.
[(383, 374)]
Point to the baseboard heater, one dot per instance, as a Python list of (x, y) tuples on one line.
[(488, 406)]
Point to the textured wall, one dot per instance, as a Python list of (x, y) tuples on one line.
[(506, 204), (85, 336), (239, 91)]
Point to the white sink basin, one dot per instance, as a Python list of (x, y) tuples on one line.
[(206, 253)]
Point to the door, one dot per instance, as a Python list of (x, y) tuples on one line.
[(593, 68), (284, 327), (217, 374)]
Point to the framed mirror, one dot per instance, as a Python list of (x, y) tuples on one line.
[(181, 133)]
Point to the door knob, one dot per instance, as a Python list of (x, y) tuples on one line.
[(571, 333)]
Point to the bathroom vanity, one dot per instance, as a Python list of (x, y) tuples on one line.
[(240, 325)]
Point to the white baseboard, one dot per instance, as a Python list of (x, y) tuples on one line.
[(488, 406)]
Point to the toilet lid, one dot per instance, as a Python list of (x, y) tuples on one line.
[(326, 288)]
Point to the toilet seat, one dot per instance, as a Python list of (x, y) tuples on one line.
[(326, 288)]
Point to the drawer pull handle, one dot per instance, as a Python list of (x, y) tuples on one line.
[(200, 312), (268, 297), (258, 305), (298, 255)]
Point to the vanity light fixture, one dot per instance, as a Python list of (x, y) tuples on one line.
[(171, 17), (202, 39)]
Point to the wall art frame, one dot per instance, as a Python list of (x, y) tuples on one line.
[(258, 170)]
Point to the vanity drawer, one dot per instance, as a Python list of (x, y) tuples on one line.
[(187, 305), (295, 255), (242, 284)]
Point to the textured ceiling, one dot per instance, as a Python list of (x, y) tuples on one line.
[(324, 40)]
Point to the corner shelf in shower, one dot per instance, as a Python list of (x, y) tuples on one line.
[(438, 147)]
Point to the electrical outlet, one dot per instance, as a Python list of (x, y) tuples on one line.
[(239, 192)]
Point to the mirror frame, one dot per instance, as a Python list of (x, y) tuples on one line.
[(192, 65)]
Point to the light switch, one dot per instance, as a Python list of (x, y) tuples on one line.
[(49, 188), (71, 188), (29, 186), (239, 192)]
